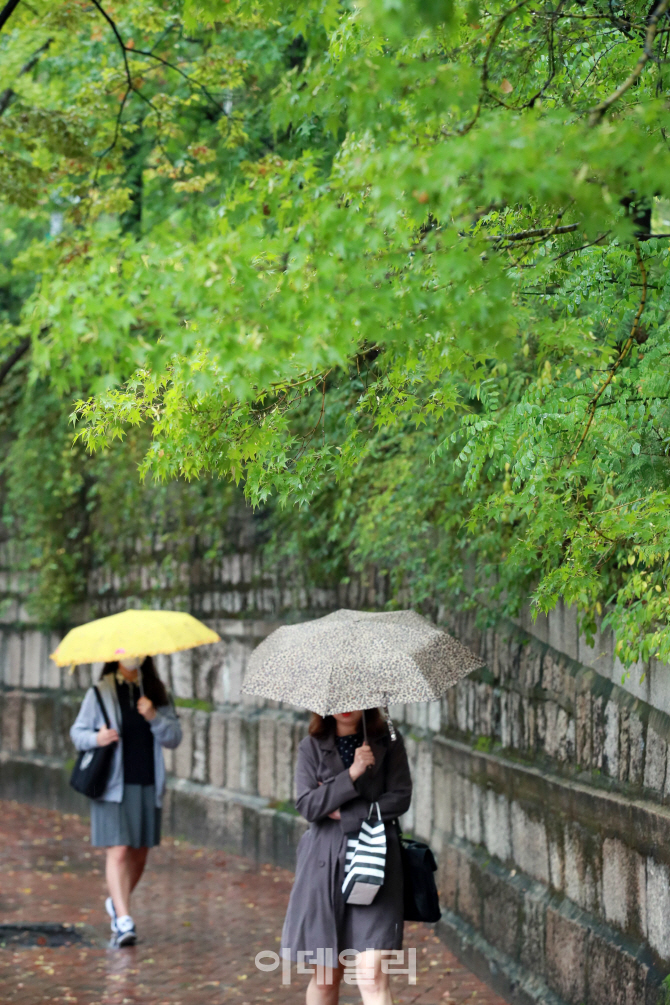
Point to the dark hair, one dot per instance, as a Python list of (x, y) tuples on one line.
[(154, 688), (321, 726)]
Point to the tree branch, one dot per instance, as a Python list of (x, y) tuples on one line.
[(8, 93), (540, 232), (7, 12), (598, 112), (622, 355), (20, 351)]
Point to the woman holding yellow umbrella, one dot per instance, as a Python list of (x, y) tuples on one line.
[(130, 709)]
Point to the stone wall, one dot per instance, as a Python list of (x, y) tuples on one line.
[(542, 784)]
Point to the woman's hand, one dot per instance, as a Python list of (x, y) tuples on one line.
[(363, 759), (335, 815), (146, 708), (106, 736)]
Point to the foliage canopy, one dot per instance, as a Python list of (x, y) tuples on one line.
[(401, 265)]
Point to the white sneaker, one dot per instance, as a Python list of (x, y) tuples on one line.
[(125, 931), (111, 911)]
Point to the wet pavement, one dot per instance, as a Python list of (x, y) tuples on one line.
[(202, 916)]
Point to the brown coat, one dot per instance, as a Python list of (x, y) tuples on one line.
[(317, 917)]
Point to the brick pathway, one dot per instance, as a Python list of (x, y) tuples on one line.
[(202, 916)]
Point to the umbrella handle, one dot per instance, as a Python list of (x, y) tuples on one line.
[(140, 682), (365, 729), (389, 720)]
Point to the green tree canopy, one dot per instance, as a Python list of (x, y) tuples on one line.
[(400, 265)]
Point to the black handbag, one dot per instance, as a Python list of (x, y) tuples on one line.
[(421, 902), (91, 770)]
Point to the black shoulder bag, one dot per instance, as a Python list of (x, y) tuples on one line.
[(91, 770), (421, 902)]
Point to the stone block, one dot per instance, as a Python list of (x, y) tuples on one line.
[(199, 770), (284, 761), (531, 723), (33, 655), (551, 729), (472, 812), (183, 757), (461, 707), (443, 779), (207, 663), (267, 757), (51, 674), (182, 674), (624, 744), (556, 862), (227, 685), (530, 668), (583, 857), (565, 736), (217, 749), (11, 721), (29, 726), (501, 914), (460, 788), (46, 731), (566, 950), (469, 895), (447, 876), (655, 761), (505, 721), (516, 721), (533, 931), (597, 732), (658, 907), (423, 790), (249, 756), (611, 740), (13, 660), (639, 899), (563, 633), (529, 844), (233, 751), (616, 870), (435, 716), (615, 977), (635, 750), (583, 729), (659, 686), (497, 829), (553, 674), (484, 717)]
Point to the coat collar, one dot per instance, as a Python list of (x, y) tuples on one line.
[(328, 745)]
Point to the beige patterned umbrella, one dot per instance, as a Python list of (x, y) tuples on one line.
[(357, 659)]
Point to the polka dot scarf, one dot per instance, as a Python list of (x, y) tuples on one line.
[(346, 746)]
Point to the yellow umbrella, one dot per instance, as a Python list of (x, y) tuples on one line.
[(132, 633)]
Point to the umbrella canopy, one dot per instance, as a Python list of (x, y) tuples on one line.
[(132, 633), (356, 659)]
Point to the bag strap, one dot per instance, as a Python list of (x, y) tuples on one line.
[(102, 707)]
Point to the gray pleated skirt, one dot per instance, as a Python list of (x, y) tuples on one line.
[(135, 821)]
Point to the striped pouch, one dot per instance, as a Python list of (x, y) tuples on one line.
[(365, 861)]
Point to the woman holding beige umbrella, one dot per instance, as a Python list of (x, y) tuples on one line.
[(352, 781)]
